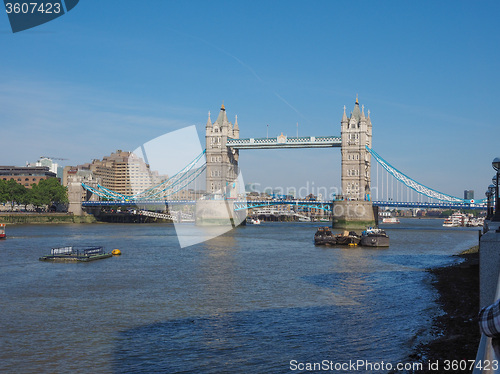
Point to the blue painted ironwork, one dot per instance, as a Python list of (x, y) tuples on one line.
[(429, 205), (110, 203), (253, 204), (416, 186)]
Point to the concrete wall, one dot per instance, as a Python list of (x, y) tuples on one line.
[(75, 191), (354, 214), (489, 264)]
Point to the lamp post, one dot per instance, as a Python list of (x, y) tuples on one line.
[(496, 165), (488, 203), (490, 192), (491, 188)]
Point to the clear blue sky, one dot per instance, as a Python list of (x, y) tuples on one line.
[(115, 74)]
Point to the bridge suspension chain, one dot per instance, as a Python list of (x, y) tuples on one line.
[(413, 184)]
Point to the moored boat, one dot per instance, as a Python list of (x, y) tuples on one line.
[(348, 238), (374, 238), (324, 236), (457, 219), (73, 254), (2, 231)]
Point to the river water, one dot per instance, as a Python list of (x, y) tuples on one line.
[(251, 301)]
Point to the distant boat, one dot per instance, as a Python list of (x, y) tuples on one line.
[(2, 231), (253, 221), (456, 220), (390, 220)]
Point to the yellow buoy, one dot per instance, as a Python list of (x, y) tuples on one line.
[(116, 252)]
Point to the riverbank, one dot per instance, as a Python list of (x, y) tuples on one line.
[(44, 218), (456, 332)]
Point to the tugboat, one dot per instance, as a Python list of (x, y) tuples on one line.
[(374, 238), (348, 238), (2, 231), (324, 236), (72, 254)]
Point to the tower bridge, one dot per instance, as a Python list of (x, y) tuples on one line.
[(352, 209)]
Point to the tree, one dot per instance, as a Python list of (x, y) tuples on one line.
[(50, 191), (25, 198), (14, 192), (3, 191), (37, 198)]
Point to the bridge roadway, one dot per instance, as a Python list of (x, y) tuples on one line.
[(283, 141), (317, 204)]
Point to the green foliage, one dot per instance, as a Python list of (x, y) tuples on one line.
[(474, 212), (52, 191), (15, 192), (447, 213), (46, 192), (3, 191)]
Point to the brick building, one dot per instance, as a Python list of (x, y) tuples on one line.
[(26, 175)]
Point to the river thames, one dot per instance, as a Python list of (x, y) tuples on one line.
[(251, 301)]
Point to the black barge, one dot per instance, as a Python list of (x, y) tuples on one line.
[(374, 238)]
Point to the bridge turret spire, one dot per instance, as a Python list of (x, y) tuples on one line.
[(209, 121), (356, 114), (222, 120), (344, 117)]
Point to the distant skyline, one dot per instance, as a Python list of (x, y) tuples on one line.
[(107, 77)]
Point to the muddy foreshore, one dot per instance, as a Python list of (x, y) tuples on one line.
[(455, 332)]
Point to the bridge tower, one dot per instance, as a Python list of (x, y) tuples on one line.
[(355, 210), (222, 161), (356, 133)]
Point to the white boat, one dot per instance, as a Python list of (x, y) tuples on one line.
[(456, 220), (253, 221), (390, 220), (304, 218)]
